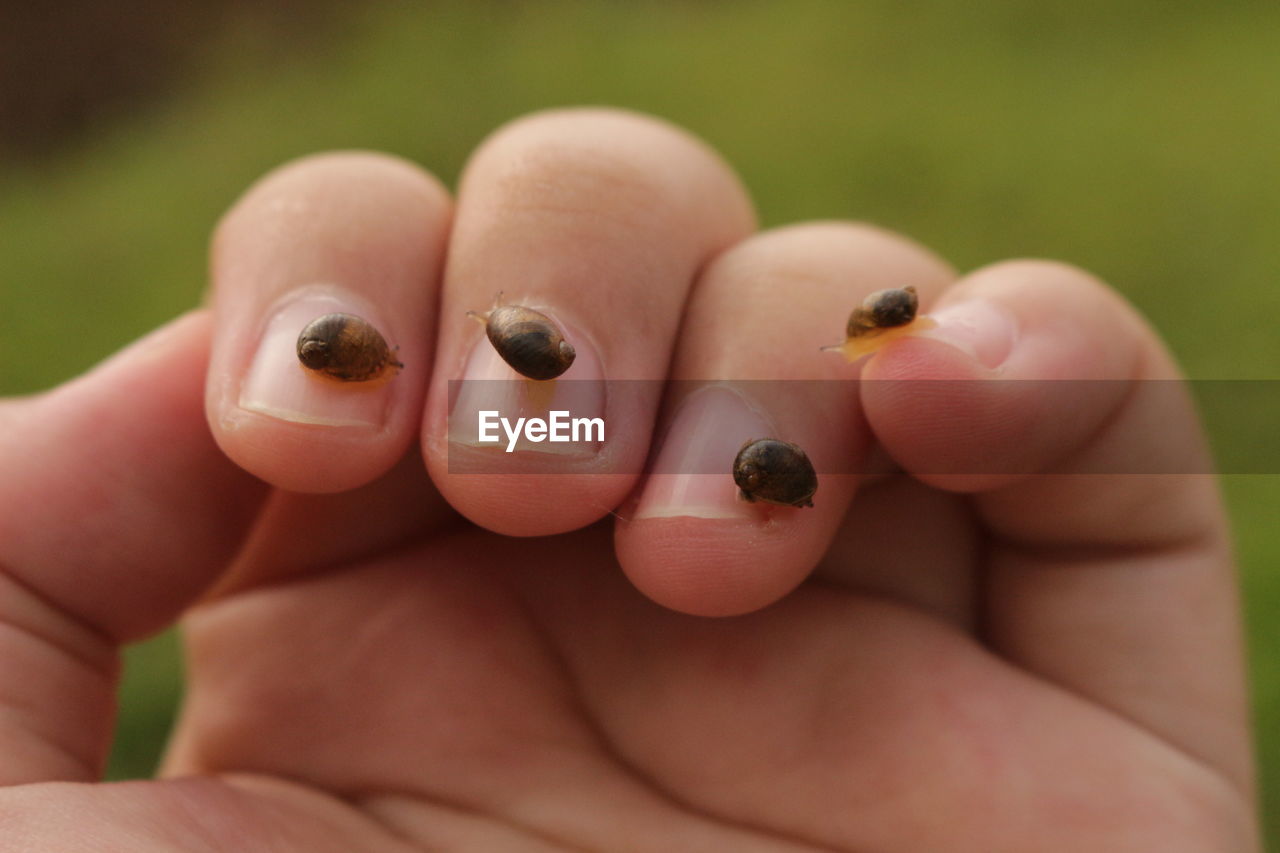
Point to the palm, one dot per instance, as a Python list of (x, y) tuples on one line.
[(523, 687)]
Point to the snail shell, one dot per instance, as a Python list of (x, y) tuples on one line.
[(884, 309), (345, 347), (528, 341), (775, 472), (883, 316)]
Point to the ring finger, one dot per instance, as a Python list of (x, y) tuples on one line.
[(753, 327)]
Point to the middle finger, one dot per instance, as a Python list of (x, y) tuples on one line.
[(598, 220)]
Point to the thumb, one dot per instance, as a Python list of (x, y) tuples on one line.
[(116, 510), (1058, 410)]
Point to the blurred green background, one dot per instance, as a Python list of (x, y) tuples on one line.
[(1139, 139)]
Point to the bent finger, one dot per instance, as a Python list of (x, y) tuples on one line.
[(1049, 399), (749, 367), (598, 220), (354, 234)]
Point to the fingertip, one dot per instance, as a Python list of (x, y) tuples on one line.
[(597, 221), (721, 567), (1033, 318), (302, 429), (1026, 361), (298, 459), (353, 234), (496, 468), (944, 417), (533, 504)]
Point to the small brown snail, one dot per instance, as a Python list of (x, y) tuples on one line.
[(883, 316), (775, 472), (345, 347), (527, 340)]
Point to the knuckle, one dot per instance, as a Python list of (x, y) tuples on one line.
[(586, 159), (566, 159), (847, 238), (1069, 288), (1043, 273), (828, 253), (289, 195)]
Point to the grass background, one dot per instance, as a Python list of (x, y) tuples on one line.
[(1136, 138)]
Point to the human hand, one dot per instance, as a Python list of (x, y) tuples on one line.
[(956, 661)]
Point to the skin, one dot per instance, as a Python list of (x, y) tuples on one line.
[(1046, 663)]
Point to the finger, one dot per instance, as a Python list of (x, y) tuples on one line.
[(599, 220), (116, 510), (755, 324), (1108, 577), (357, 234), (196, 815)]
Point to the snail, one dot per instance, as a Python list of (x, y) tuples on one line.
[(527, 340), (346, 347), (883, 316), (775, 472)]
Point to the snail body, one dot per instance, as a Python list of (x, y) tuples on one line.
[(527, 340), (776, 472), (883, 316), (347, 348)]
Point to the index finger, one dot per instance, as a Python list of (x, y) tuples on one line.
[(353, 234)]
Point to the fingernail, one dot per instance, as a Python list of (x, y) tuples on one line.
[(278, 385), (693, 473), (981, 329), (490, 385)]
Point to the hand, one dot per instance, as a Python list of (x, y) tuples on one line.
[(971, 658)]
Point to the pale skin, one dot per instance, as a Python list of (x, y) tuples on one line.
[(376, 660)]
